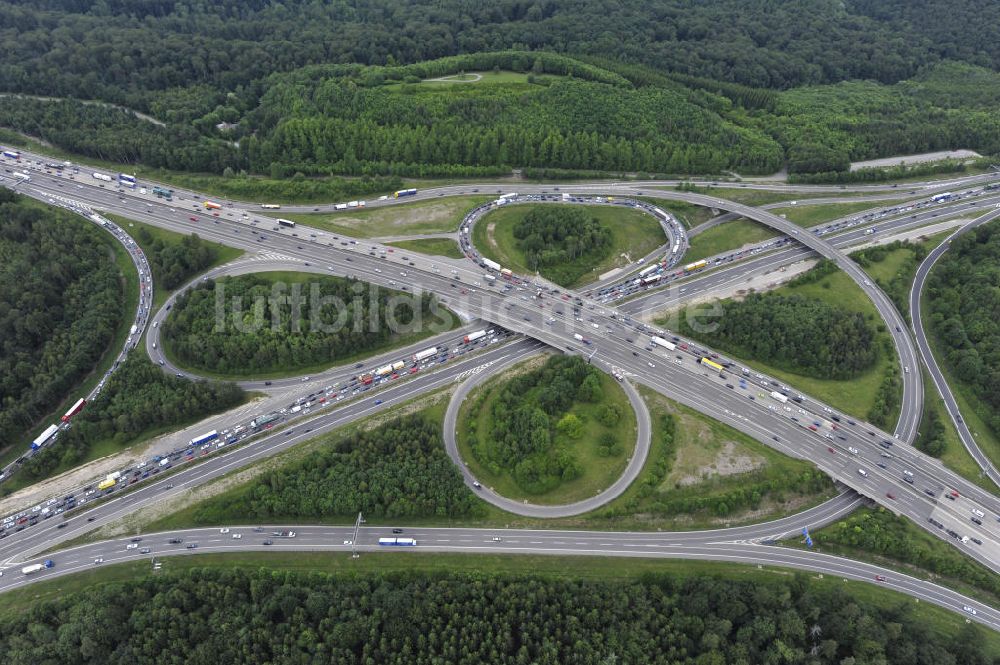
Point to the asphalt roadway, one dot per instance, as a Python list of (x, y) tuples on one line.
[(701, 390), (340, 540), (711, 398)]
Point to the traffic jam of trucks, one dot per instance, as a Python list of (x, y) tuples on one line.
[(203, 444)]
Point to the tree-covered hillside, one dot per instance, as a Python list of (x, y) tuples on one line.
[(122, 50), (658, 86)]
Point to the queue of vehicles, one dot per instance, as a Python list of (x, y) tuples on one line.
[(203, 444)]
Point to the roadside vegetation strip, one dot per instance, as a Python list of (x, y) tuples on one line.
[(174, 258), (877, 536), (726, 236), (428, 216), (431, 246), (962, 331), (939, 438), (276, 344), (550, 435), (138, 403), (633, 235)]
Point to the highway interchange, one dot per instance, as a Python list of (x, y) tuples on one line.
[(685, 381)]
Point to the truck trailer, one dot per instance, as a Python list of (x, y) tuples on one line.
[(75, 409), (659, 341), (44, 437), (492, 265), (425, 354), (473, 336)]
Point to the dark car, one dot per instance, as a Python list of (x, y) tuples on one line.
[(269, 542), (397, 531), (175, 541)]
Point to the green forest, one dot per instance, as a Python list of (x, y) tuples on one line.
[(138, 399), (269, 325), (962, 303), (803, 335), (59, 310), (223, 616), (397, 470), (174, 263), (694, 88), (532, 434), (557, 240)]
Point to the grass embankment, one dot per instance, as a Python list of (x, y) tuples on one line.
[(938, 621), (759, 197), (223, 253), (811, 215), (597, 472), (725, 237), (429, 216), (854, 396), (432, 246), (703, 474), (290, 278), (688, 214), (634, 235)]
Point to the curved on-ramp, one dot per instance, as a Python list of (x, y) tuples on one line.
[(923, 270), (632, 470)]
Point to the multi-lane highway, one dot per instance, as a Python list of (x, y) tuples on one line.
[(849, 453), (513, 313), (718, 546)]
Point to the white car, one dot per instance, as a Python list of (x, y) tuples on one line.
[(237, 536), (970, 610), (224, 529), (132, 546), (99, 559), (348, 542), (863, 473), (852, 450)]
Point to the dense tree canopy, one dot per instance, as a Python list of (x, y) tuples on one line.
[(963, 299), (229, 616), (800, 334), (397, 470), (120, 49), (61, 301), (531, 433), (554, 237), (262, 329), (660, 86), (175, 263)]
